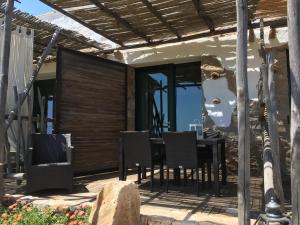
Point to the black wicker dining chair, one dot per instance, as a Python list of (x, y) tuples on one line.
[(181, 153), (205, 155), (137, 152)]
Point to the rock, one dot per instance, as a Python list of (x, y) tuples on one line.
[(74, 207), (144, 220), (118, 203), (213, 71), (185, 223), (40, 205), (159, 220), (62, 209)]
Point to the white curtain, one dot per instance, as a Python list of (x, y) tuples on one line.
[(20, 70)]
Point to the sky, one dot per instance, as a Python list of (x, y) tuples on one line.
[(33, 7)]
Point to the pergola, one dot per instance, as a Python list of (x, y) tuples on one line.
[(43, 32), (137, 23)]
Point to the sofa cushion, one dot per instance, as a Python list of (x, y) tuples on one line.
[(49, 148)]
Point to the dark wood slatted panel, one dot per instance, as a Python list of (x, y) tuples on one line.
[(91, 105)]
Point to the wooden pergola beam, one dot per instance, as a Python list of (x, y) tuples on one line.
[(53, 6), (243, 114), (294, 56), (120, 20), (201, 12), (158, 15), (272, 23)]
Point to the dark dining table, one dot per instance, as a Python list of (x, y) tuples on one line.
[(219, 158)]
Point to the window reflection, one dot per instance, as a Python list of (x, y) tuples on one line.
[(189, 96), (158, 90)]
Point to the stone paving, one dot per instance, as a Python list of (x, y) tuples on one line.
[(181, 203)]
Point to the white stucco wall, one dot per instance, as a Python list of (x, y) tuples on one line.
[(224, 48)]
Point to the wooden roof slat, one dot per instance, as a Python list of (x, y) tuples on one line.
[(32, 22), (161, 18), (120, 20), (43, 32), (281, 22), (169, 16), (47, 2), (201, 12)]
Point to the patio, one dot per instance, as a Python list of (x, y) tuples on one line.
[(180, 203), (145, 84)]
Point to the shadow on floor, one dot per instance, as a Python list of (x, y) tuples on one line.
[(182, 197)]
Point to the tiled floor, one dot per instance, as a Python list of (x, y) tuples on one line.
[(181, 202)]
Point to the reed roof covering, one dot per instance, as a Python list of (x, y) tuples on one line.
[(148, 22), (43, 32)]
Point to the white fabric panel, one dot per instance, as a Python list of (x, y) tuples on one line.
[(20, 70)]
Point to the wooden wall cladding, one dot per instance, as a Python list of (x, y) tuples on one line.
[(91, 105), (130, 98)]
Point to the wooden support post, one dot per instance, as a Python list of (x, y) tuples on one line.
[(262, 40), (21, 133), (268, 168), (18, 140), (4, 84), (273, 129), (42, 102), (269, 135), (243, 116), (8, 155), (251, 35), (294, 55), (267, 100), (29, 124), (26, 91)]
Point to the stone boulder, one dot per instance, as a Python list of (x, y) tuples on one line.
[(162, 220), (156, 220), (118, 203)]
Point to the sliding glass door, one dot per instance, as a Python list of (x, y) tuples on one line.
[(155, 98), (189, 96), (168, 97)]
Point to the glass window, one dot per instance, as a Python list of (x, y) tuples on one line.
[(50, 127), (189, 98), (159, 90), (189, 107)]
